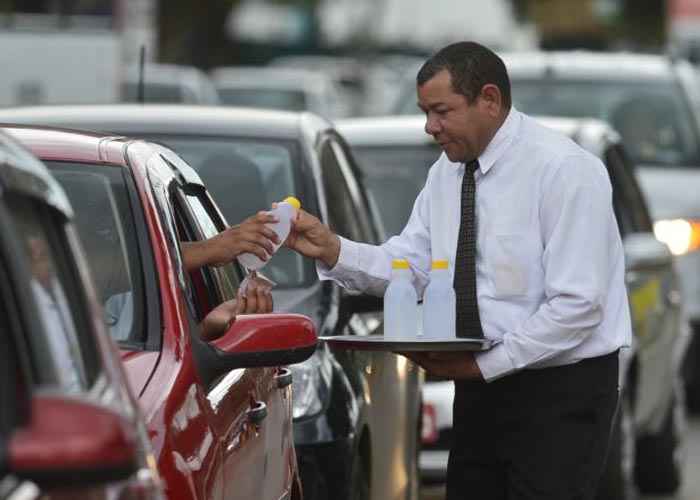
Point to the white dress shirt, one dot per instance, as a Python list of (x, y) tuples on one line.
[(550, 262)]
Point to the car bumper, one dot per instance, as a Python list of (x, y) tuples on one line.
[(325, 470)]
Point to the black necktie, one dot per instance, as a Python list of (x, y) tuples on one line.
[(468, 323)]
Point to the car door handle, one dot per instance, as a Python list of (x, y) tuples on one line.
[(284, 378), (257, 413)]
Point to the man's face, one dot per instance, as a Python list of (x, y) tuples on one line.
[(457, 125)]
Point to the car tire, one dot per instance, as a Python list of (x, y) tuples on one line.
[(658, 467), (359, 479), (617, 481)]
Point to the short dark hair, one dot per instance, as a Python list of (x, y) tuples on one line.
[(471, 66)]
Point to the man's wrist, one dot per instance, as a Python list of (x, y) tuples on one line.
[(332, 253)]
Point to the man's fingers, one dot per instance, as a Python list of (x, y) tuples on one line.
[(251, 303), (254, 248)]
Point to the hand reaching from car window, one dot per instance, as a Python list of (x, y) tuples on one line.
[(254, 297), (251, 235)]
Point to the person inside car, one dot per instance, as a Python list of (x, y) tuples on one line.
[(252, 235)]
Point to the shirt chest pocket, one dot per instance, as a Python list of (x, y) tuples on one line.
[(510, 261)]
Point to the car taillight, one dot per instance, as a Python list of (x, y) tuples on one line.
[(429, 432)]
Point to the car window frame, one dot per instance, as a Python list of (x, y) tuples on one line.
[(626, 190)]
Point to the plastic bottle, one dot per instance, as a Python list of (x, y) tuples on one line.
[(285, 211), (439, 303), (400, 303)]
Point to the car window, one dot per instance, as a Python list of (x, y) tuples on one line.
[(653, 117), (395, 175), (107, 227), (58, 295), (227, 276), (244, 176), (344, 195)]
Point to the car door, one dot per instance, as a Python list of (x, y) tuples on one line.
[(392, 380), (652, 290), (58, 339), (257, 436)]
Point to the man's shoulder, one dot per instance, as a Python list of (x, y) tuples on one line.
[(552, 147)]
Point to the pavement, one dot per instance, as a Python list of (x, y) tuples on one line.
[(691, 476)]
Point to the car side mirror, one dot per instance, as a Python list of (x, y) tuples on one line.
[(644, 251), (72, 442)]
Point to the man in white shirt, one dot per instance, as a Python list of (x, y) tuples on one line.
[(533, 243)]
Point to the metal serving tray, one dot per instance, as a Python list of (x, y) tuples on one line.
[(379, 343)]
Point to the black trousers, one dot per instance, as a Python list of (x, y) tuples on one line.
[(538, 434)]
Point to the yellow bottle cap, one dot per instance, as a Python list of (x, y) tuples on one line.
[(440, 264), (293, 202), (399, 264)]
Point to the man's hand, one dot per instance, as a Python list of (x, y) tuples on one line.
[(312, 238), (256, 295), (250, 236), (257, 299), (452, 365), (219, 319)]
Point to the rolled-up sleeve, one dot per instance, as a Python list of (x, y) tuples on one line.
[(578, 231)]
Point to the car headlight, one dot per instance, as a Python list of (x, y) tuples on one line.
[(311, 384), (681, 235)]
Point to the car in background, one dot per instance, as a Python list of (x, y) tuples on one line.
[(395, 155), (652, 101), (69, 426), (289, 89), (345, 444), (169, 83), (218, 412), (349, 74)]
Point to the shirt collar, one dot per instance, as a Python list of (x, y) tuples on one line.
[(500, 142)]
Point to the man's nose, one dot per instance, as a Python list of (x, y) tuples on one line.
[(432, 125)]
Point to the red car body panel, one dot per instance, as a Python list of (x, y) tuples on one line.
[(205, 446)]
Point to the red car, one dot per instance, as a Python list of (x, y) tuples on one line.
[(69, 427), (219, 413)]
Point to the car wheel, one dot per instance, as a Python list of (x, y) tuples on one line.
[(360, 479), (660, 456), (618, 476)]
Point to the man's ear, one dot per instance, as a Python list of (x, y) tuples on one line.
[(491, 99)]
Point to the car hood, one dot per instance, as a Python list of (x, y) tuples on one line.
[(671, 192)]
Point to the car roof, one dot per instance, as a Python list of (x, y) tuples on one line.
[(591, 134), (173, 119), (589, 65), (23, 173), (50, 143), (270, 77), (385, 130)]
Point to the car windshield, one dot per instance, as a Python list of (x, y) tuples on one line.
[(655, 123), (290, 100), (394, 175), (245, 176), (103, 217)]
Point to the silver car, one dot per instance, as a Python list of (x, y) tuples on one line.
[(652, 102), (395, 155)]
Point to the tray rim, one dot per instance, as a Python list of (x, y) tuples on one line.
[(379, 343)]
